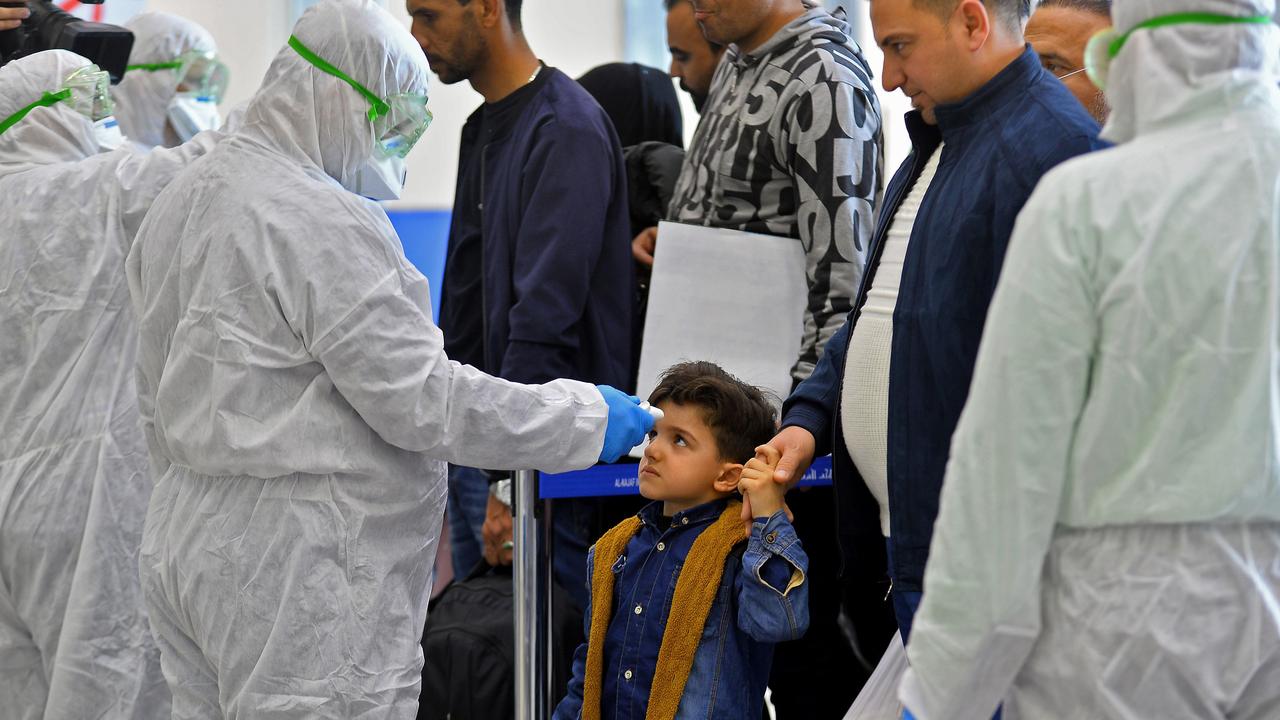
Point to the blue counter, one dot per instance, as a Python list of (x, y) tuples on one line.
[(620, 479)]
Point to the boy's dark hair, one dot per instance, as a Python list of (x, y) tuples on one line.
[(741, 416)]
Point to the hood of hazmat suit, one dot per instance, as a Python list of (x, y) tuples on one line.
[(144, 96), (73, 473), (1107, 538), (298, 403)]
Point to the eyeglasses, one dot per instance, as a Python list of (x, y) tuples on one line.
[(1073, 72)]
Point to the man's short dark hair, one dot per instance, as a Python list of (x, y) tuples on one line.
[(1097, 7), (513, 10), (741, 416), (1013, 12)]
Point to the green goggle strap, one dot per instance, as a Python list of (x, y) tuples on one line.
[(1188, 18), (378, 108), (49, 100), (155, 67)]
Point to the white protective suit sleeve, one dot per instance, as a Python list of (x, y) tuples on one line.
[(143, 96), (980, 614), (384, 353)]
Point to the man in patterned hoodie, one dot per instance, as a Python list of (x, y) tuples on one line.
[(789, 144)]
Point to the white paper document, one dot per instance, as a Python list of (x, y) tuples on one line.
[(733, 298), (879, 697)]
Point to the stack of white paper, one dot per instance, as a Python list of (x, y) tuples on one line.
[(733, 298)]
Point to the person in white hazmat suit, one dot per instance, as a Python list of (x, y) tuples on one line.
[(297, 400), (1108, 543), (173, 83), (74, 481)]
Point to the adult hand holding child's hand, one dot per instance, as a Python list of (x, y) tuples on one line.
[(761, 495)]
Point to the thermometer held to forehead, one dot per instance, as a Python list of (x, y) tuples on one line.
[(655, 412)]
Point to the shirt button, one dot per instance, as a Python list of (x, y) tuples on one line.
[(627, 674), (771, 537), (639, 610), (684, 521), (662, 546)]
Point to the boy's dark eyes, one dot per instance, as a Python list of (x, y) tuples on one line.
[(653, 435)]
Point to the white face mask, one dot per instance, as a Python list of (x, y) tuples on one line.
[(107, 132), (189, 116), (381, 179)]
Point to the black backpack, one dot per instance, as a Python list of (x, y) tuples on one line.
[(469, 648)]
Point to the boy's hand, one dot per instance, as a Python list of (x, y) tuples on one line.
[(761, 496)]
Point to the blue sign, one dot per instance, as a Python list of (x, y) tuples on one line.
[(621, 479)]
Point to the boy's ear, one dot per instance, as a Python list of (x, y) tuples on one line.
[(730, 474)]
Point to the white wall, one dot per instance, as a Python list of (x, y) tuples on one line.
[(573, 35)]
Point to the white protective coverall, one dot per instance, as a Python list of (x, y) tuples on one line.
[(73, 465), (143, 96), (300, 407), (1108, 543)]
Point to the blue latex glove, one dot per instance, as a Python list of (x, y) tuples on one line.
[(906, 715), (628, 423)]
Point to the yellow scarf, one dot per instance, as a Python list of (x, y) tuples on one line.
[(695, 591)]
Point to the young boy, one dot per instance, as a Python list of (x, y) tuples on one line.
[(685, 607)]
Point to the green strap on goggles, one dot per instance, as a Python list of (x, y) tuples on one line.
[(49, 100), (155, 67), (1187, 18), (378, 108)]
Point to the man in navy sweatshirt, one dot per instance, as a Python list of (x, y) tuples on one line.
[(988, 123), (538, 276)]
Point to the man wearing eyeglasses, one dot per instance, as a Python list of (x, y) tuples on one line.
[(1058, 31)]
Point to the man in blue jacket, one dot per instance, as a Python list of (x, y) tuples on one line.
[(988, 122), (538, 274)]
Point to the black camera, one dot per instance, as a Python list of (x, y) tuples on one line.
[(50, 28)]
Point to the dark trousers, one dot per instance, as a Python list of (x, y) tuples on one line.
[(819, 676)]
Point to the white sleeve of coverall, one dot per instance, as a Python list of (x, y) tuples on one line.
[(366, 318), (141, 176), (980, 614)]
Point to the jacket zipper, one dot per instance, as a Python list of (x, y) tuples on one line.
[(484, 296)]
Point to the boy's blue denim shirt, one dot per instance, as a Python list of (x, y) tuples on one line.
[(763, 599)]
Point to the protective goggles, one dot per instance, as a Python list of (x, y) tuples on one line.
[(398, 121), (87, 90), (1106, 44), (199, 73)]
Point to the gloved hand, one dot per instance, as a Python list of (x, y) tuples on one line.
[(906, 715), (628, 423)]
